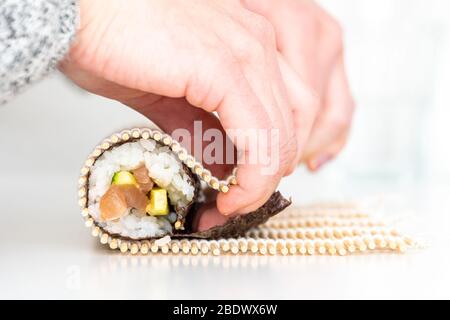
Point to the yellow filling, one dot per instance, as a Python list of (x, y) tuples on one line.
[(158, 205)]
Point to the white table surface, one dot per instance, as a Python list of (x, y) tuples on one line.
[(46, 252)]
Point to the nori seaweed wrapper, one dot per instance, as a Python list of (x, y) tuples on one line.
[(183, 212), (237, 226)]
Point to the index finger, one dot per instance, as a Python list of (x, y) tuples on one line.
[(242, 115)]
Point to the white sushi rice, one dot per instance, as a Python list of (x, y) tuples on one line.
[(165, 170)]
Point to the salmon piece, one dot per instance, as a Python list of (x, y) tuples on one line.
[(142, 178), (116, 201), (113, 204)]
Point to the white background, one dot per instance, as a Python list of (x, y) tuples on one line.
[(397, 58)]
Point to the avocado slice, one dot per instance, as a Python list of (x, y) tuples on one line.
[(159, 204), (124, 177)]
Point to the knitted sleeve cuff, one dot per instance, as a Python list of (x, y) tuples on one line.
[(34, 36)]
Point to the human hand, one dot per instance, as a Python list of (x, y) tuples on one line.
[(310, 41), (162, 57), (310, 46)]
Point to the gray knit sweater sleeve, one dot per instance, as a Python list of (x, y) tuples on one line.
[(34, 36)]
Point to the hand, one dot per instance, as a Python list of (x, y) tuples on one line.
[(310, 56), (176, 61), (310, 41)]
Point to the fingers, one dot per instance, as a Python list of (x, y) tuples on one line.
[(312, 48), (267, 109), (263, 44), (307, 36), (241, 109), (304, 103), (247, 92), (332, 126)]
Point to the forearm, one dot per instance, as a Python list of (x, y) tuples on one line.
[(34, 36)]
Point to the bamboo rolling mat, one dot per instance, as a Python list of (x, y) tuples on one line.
[(322, 229)]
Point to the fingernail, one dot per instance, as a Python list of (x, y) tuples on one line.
[(316, 163)]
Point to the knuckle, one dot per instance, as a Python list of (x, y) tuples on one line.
[(209, 85)]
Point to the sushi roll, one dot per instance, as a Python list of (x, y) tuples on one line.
[(140, 184)]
